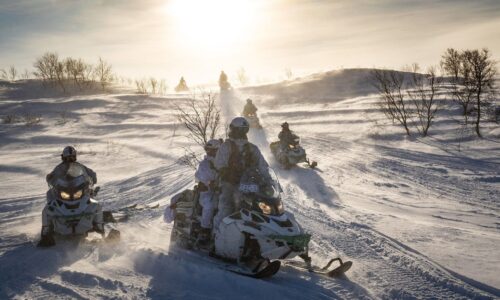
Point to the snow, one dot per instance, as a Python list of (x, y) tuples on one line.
[(419, 217)]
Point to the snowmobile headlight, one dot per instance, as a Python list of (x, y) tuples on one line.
[(65, 195), (78, 194), (266, 209)]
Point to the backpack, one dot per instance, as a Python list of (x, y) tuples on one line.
[(239, 162)]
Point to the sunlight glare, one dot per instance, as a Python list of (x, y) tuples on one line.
[(213, 25)]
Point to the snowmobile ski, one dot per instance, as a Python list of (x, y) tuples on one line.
[(268, 271), (338, 271)]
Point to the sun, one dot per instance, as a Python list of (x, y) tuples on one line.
[(212, 25)]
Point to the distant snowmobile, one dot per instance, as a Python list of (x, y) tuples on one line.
[(250, 113), (71, 210), (223, 82), (257, 237), (291, 155)]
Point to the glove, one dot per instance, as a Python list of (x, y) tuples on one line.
[(212, 185)]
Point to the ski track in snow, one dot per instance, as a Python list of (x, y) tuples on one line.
[(140, 266)]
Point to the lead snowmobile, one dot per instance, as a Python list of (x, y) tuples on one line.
[(71, 210), (223, 82), (257, 237), (291, 155)]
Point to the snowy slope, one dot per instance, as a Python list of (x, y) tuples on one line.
[(418, 218)]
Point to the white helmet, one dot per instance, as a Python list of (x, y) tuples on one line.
[(239, 126), (212, 146)]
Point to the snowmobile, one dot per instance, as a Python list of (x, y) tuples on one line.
[(71, 210), (292, 155), (253, 120), (224, 85), (257, 237)]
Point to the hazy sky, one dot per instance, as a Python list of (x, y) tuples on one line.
[(198, 38)]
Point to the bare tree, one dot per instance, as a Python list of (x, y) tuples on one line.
[(189, 159), (3, 74), (88, 74), (162, 87), (242, 76), (454, 65), (390, 85), (153, 83), (423, 94), (140, 85), (483, 71), (25, 75), (103, 72), (46, 66), (12, 73), (451, 62), (75, 69), (201, 118), (59, 71)]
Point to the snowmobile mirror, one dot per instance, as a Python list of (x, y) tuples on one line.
[(96, 190)]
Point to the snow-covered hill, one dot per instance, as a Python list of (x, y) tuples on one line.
[(419, 217)]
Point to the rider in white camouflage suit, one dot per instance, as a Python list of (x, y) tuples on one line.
[(206, 176), (235, 156)]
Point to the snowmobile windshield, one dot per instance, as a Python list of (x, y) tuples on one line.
[(263, 184), (73, 184), (295, 141), (262, 193)]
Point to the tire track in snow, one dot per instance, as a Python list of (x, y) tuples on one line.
[(394, 269), (401, 271)]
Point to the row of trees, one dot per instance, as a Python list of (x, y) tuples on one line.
[(408, 96), (12, 74), (151, 86), (412, 97), (472, 75), (51, 69)]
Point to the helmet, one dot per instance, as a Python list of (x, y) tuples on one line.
[(239, 127), (249, 100), (285, 126), (68, 154), (212, 146)]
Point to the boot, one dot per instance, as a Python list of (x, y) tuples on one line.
[(204, 237)]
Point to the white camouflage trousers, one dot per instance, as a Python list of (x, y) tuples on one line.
[(228, 202), (207, 201)]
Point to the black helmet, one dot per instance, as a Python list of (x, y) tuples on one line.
[(68, 154), (285, 126)]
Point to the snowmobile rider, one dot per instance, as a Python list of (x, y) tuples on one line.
[(250, 109), (223, 82), (234, 157), (182, 86), (287, 137), (206, 176), (68, 156)]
